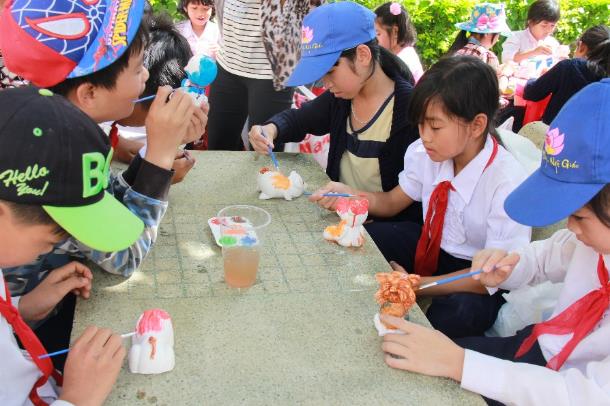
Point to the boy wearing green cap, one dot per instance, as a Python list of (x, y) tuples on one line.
[(53, 171)]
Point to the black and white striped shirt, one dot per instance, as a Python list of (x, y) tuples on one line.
[(241, 44)]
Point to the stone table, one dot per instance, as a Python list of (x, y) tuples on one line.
[(302, 335)]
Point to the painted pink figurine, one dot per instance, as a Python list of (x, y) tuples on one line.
[(152, 347), (350, 230)]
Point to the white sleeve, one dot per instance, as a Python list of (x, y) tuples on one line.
[(502, 231), (410, 177), (515, 383), (61, 403), (510, 47), (541, 261)]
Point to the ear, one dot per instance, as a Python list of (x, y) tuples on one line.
[(363, 54), (85, 97), (478, 125)]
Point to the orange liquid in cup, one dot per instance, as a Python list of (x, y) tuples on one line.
[(240, 265)]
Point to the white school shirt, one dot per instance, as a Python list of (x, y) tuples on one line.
[(17, 373), (521, 41), (584, 379), (475, 217), (204, 44)]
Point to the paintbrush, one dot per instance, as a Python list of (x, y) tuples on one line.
[(52, 354), (271, 153), (450, 279)]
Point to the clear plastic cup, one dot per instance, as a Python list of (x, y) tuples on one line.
[(241, 236)]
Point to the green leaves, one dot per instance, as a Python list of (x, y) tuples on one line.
[(435, 20)]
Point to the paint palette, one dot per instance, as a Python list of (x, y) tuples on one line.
[(233, 231)]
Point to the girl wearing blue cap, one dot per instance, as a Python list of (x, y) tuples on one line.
[(565, 359), (461, 175), (364, 108), (480, 33)]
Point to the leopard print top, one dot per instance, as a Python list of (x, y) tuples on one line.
[(281, 22)]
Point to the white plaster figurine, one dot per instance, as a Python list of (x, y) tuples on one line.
[(275, 184), (152, 347), (350, 230)]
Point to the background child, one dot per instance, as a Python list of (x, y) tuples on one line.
[(591, 63), (36, 212), (165, 57), (572, 344), (480, 33), (536, 39), (200, 32), (369, 89), (462, 176), (396, 33)]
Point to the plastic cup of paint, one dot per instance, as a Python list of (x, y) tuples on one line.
[(241, 239)]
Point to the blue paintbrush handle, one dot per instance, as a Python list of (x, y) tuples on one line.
[(331, 194), (52, 354), (450, 279), (152, 96), (271, 153)]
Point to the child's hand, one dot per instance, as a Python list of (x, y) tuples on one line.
[(422, 350), (543, 50), (329, 203), (166, 125), (196, 127), (182, 165), (497, 265), (73, 277), (259, 142), (93, 364)]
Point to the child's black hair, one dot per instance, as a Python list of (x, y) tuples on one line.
[(183, 4), (390, 63), (462, 39), (465, 86), (600, 205), (107, 77), (406, 35), (597, 40), (543, 10), (34, 215), (167, 54)]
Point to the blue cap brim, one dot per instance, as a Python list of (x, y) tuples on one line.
[(310, 69), (540, 201)]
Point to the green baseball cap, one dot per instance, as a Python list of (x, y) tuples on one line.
[(53, 155)]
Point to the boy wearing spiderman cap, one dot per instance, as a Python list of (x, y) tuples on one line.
[(91, 52), (53, 171)]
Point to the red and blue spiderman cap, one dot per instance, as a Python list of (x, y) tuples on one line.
[(47, 42)]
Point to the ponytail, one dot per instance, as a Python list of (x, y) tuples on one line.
[(597, 40), (460, 42)]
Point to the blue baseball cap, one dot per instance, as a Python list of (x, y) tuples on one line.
[(47, 42), (327, 31), (575, 161)]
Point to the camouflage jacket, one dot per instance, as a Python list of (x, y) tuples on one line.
[(150, 209)]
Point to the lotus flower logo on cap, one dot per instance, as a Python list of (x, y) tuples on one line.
[(553, 144), (307, 35)]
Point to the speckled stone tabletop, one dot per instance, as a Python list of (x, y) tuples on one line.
[(302, 335)]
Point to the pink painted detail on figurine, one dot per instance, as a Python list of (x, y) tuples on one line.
[(151, 320)]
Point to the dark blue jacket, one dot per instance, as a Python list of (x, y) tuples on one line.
[(563, 81), (328, 114)]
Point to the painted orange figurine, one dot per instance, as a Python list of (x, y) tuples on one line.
[(396, 294)]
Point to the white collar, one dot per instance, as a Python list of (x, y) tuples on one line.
[(468, 178)]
